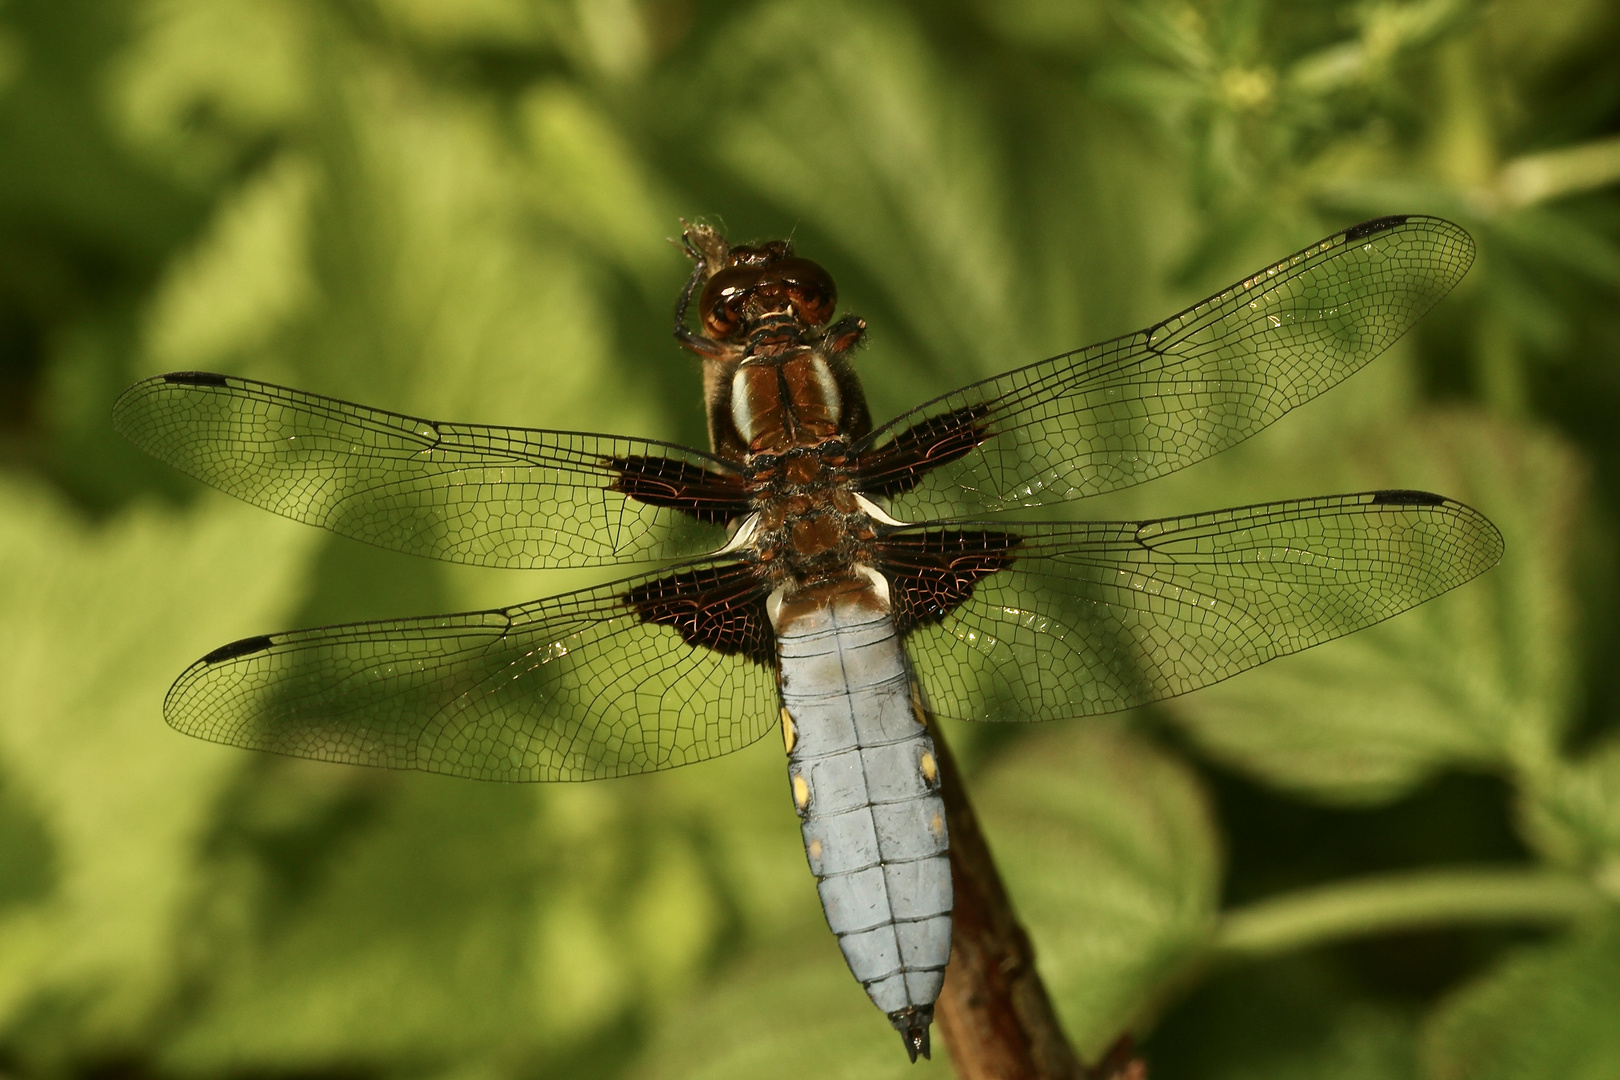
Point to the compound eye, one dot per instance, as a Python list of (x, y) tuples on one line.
[(720, 306), (810, 287)]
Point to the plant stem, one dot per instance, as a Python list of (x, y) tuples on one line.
[(1570, 170), (994, 1013), (1394, 902)]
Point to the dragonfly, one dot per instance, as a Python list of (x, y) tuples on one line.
[(838, 580)]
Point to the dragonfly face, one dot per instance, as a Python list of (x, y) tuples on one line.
[(833, 578)]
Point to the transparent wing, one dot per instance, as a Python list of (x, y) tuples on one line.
[(1149, 403), (1074, 620), (490, 496), (597, 683)]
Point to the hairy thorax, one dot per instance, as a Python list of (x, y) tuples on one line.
[(809, 527)]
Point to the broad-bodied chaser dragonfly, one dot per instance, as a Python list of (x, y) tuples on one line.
[(831, 577)]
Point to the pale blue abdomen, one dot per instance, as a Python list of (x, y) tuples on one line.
[(865, 783)]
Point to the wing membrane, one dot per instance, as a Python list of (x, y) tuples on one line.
[(1146, 404), (489, 496), (585, 685), (1093, 618)]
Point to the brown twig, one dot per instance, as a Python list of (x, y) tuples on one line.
[(994, 1013)]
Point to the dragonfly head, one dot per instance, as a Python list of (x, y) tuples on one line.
[(746, 288)]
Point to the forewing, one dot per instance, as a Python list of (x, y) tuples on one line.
[(1052, 621), (636, 676), (1149, 403), (489, 496)]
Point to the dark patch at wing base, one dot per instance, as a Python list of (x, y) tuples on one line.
[(708, 496), (722, 609), (900, 465), (931, 574)]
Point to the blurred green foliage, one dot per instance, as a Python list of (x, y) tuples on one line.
[(1396, 856)]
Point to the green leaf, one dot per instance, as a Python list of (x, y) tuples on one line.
[(243, 65), (406, 921), (868, 137), (490, 23), (1570, 812), (1112, 860), (406, 933), (1546, 1012), (246, 278), (94, 623), (589, 180), (414, 249), (1044, 27), (791, 1008), (1482, 677)]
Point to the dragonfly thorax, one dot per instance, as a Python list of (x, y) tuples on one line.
[(785, 401), (809, 526)]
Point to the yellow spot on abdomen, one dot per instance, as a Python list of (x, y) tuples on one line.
[(936, 825), (790, 734), (801, 793), (814, 849), (930, 768), (916, 704)]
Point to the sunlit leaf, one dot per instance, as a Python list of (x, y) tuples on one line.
[(94, 622), (438, 296), (867, 136), (525, 920), (432, 889), (247, 277), (506, 23), (588, 180), (1481, 677), (242, 64), (1112, 860), (789, 1008), (1571, 813)]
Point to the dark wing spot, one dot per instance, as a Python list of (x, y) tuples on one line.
[(900, 464), (719, 608), (660, 481), (1373, 227), (1402, 497), (931, 574), (195, 378), (238, 648)]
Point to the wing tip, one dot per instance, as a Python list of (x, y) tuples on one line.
[(1489, 547), (1459, 237), (136, 398)]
